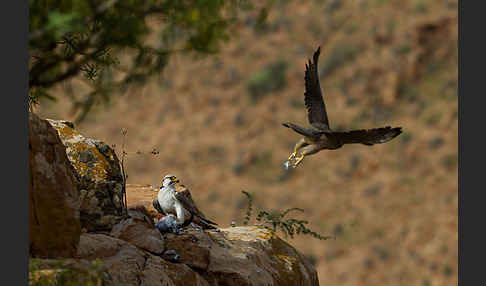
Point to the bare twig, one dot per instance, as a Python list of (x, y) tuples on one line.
[(123, 156), (124, 175)]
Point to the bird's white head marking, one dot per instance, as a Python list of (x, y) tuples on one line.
[(169, 180)]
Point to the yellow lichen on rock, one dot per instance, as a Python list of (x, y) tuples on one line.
[(99, 179), (68, 272), (76, 144), (48, 276)]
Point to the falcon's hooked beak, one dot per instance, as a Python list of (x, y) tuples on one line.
[(174, 180)]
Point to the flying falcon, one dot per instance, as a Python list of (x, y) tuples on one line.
[(319, 135), (179, 203)]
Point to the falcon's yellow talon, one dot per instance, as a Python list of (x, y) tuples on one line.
[(292, 156), (297, 162)]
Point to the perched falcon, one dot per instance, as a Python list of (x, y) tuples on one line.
[(319, 135), (179, 203)]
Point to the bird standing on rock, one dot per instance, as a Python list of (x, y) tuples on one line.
[(180, 204), (319, 135)]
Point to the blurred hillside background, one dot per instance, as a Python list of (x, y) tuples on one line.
[(216, 121)]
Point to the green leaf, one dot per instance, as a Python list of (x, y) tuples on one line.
[(60, 23)]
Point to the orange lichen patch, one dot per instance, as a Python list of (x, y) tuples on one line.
[(75, 144)]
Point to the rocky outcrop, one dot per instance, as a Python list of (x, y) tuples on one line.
[(99, 177), (124, 261), (128, 265), (75, 182), (232, 256), (243, 256), (139, 231), (54, 226)]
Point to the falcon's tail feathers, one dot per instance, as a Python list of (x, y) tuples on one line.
[(206, 223)]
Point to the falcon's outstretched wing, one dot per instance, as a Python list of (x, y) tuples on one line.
[(368, 137), (185, 198), (314, 103)]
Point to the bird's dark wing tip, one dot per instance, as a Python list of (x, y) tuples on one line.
[(317, 53), (397, 130), (392, 133)]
